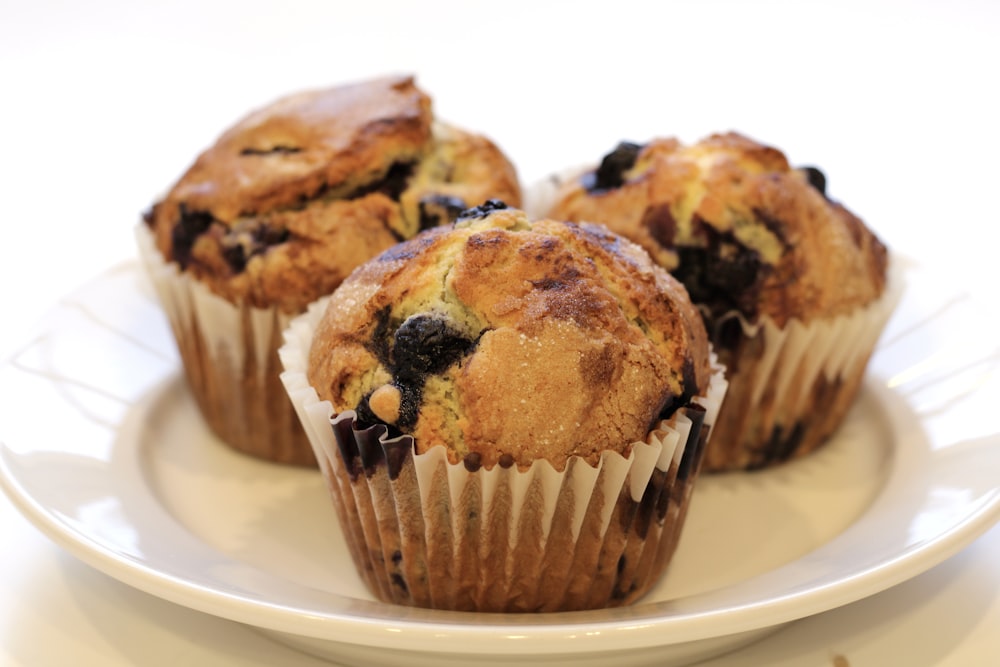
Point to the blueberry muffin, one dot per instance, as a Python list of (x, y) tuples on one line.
[(278, 212), (525, 404), (794, 287)]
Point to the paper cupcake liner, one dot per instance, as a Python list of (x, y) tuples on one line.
[(791, 387), (427, 532), (230, 360)]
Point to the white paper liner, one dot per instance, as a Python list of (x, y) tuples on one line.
[(772, 411), (229, 353), (504, 539)]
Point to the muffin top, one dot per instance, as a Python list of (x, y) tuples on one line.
[(509, 341), (744, 231), (295, 195)]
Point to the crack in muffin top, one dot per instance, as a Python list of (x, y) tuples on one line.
[(296, 194)]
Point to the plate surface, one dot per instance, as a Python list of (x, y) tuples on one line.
[(103, 450)]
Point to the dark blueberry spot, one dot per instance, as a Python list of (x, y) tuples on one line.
[(611, 172), (473, 461), (235, 256), (266, 235), (274, 150), (720, 275), (411, 394), (421, 345), (188, 228), (816, 178), (396, 557), (438, 209), (483, 210), (366, 417), (391, 185), (426, 345), (661, 224), (249, 238), (506, 461), (395, 181)]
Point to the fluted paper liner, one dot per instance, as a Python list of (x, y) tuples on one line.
[(427, 532), (790, 387), (230, 359)]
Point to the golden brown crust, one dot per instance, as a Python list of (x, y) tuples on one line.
[(294, 196), (566, 340), (740, 227), (300, 144)]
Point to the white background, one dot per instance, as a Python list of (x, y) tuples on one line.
[(104, 103)]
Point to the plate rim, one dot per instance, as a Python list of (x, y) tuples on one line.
[(519, 634)]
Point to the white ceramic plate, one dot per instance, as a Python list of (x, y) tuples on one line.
[(103, 450)]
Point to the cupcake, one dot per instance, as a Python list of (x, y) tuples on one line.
[(510, 414), (277, 213), (794, 288)]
